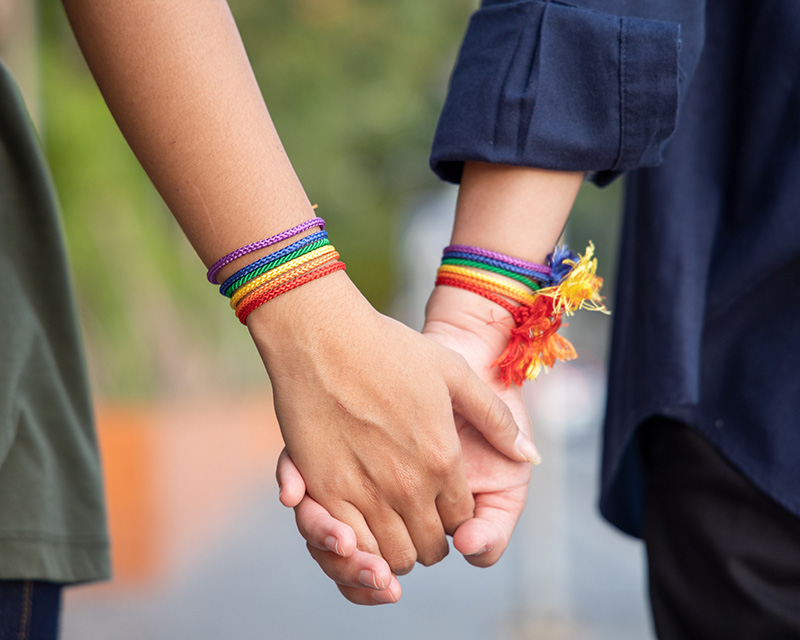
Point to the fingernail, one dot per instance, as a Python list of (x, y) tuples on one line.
[(370, 579), (332, 543), (383, 597), (527, 450), (478, 552)]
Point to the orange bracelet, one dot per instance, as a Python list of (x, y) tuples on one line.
[(259, 297)]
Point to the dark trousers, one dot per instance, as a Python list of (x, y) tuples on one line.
[(29, 610), (723, 558)]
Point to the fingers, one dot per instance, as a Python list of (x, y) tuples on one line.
[(394, 541), (483, 539), (489, 415), (427, 535), (398, 541), (428, 521), (455, 504), (322, 531), (345, 513), (362, 577), (361, 570), (371, 597), (291, 483)]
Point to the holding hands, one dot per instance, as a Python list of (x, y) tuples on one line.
[(495, 209), (476, 329), (370, 425)]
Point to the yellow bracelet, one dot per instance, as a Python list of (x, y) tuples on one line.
[(279, 281), (491, 282), (270, 275)]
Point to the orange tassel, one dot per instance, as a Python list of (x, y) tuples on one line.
[(534, 343)]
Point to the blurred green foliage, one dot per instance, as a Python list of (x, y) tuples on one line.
[(354, 87)]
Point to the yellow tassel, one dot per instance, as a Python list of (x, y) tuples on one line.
[(580, 289), (534, 344)]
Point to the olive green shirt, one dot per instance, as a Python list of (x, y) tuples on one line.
[(52, 516)]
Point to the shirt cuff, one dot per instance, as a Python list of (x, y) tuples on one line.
[(560, 87)]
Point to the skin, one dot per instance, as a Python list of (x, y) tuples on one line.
[(384, 459), (497, 205)]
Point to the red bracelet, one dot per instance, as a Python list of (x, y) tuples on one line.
[(257, 298)]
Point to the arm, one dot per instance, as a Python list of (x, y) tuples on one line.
[(380, 457)]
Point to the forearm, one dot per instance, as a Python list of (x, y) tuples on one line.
[(519, 211), (177, 80)]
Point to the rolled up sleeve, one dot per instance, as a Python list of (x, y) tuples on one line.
[(560, 87)]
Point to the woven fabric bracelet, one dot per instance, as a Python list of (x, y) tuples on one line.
[(286, 272), (461, 262), (489, 282), (309, 243), (483, 263), (261, 244), (501, 257), (533, 342), (257, 299), (287, 278)]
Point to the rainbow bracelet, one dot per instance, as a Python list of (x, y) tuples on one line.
[(261, 244), (500, 257), (486, 263), (306, 259), (259, 298), (309, 243), (461, 262), (285, 272), (571, 284)]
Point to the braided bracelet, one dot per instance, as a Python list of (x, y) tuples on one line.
[(261, 244), (246, 309), (500, 257), (262, 280), (488, 282), (309, 243), (285, 273), (527, 281), (482, 262), (534, 342)]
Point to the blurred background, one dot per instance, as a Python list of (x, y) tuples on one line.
[(202, 548)]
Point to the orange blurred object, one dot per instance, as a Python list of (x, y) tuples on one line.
[(176, 473)]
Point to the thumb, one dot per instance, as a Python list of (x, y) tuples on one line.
[(481, 407), (291, 483)]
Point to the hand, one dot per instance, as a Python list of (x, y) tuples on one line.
[(476, 328), (366, 410), (362, 577)]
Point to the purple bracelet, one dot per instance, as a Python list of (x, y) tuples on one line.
[(255, 246), (532, 266)]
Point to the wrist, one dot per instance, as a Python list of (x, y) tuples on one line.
[(519, 211), (470, 315), (313, 312)]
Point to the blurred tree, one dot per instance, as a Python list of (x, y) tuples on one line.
[(18, 48), (354, 87)]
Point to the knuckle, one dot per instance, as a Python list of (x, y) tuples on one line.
[(498, 413), (443, 459), (402, 562), (436, 555)]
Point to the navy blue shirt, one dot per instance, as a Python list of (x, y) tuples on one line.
[(700, 103)]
